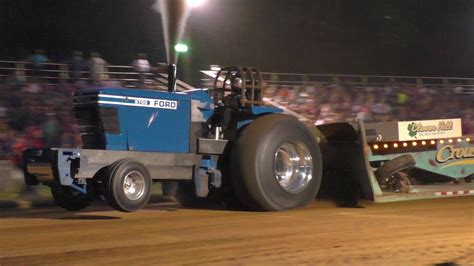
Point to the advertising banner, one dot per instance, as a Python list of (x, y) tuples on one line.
[(429, 129)]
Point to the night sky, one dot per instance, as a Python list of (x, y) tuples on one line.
[(398, 37)]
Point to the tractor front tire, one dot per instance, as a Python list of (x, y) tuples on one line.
[(127, 185), (68, 198), (276, 164)]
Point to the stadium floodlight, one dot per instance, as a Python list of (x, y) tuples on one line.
[(181, 48), (195, 3)]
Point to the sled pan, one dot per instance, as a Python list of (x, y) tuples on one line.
[(394, 161)]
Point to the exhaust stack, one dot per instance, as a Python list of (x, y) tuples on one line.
[(173, 17), (172, 77)]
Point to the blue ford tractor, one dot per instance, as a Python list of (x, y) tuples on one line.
[(225, 146), (222, 145)]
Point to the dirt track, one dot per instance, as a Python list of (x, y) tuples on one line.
[(404, 233)]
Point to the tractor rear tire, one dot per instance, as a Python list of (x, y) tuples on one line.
[(127, 185), (68, 198), (276, 164)]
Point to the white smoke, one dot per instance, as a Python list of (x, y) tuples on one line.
[(174, 14)]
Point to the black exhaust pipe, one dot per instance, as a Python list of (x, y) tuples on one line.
[(172, 77), (173, 16)]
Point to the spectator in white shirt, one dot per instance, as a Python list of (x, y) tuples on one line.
[(97, 68), (141, 66)]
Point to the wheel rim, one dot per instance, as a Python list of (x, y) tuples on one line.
[(134, 185), (293, 166)]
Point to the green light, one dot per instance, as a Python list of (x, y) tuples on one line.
[(181, 48)]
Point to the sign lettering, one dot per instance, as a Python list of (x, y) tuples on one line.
[(429, 129), (449, 152)]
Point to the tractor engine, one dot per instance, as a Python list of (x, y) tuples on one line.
[(141, 120)]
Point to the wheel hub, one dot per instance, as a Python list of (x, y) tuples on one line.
[(293, 166), (134, 185)]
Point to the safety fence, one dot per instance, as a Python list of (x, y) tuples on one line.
[(464, 85), (52, 72), (316, 99), (321, 98), (123, 75)]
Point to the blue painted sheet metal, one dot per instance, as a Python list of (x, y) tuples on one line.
[(208, 162), (116, 142), (244, 123), (141, 93), (207, 104), (256, 110), (149, 120)]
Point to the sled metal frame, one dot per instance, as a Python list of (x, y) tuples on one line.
[(347, 148)]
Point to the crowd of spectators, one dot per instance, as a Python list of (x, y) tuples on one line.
[(38, 113), (35, 114), (36, 107), (330, 103)]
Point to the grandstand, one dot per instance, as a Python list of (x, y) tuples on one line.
[(35, 110)]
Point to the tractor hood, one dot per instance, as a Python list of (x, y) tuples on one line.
[(140, 120)]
